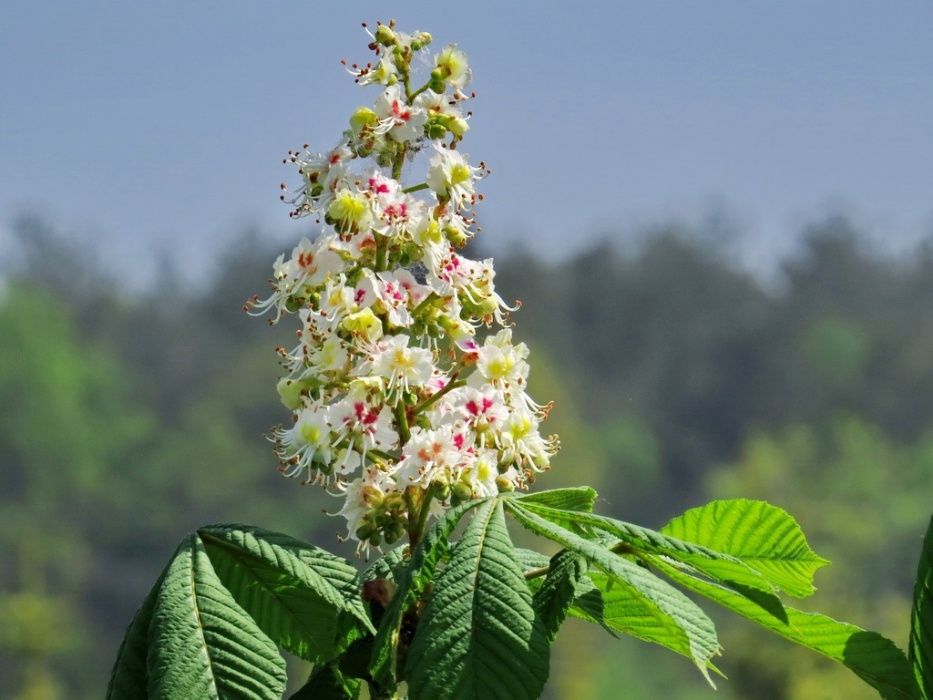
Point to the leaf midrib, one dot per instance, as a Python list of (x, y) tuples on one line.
[(247, 558), (199, 624)]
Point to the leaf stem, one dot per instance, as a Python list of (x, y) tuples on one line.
[(416, 188), (412, 95), (618, 548), (401, 420), (382, 245), (537, 573), (398, 162), (425, 302), (421, 525), (450, 386)]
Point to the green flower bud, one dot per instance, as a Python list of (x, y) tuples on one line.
[(455, 235), (294, 303), (385, 36), (393, 532), (394, 501), (365, 531), (436, 127), (462, 491), (504, 484), (362, 118), (290, 392), (420, 40), (458, 126)]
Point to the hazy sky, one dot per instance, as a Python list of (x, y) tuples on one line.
[(161, 125)]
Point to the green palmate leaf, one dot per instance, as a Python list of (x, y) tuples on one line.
[(478, 638), (873, 658), (659, 612), (129, 677), (554, 597), (580, 498), (328, 683), (411, 582), (305, 599), (720, 566), (921, 619), (761, 535), (202, 644)]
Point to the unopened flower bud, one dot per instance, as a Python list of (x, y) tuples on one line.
[(456, 236), (365, 531), (458, 126), (461, 491), (436, 127), (420, 40), (291, 391), (362, 118), (394, 501), (504, 484), (385, 36)]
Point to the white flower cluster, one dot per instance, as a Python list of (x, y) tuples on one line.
[(399, 406)]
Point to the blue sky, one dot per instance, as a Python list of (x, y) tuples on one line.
[(160, 126)]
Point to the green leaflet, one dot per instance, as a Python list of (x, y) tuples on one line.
[(555, 596), (873, 658), (581, 498), (413, 579), (660, 613), (202, 644), (478, 638), (328, 683), (305, 599), (921, 620), (717, 565), (762, 536)]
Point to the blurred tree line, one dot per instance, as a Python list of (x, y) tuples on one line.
[(128, 419)]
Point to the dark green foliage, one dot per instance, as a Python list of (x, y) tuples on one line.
[(201, 644), (416, 576), (921, 620), (328, 683), (307, 600), (553, 599), (479, 637), (229, 599)]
